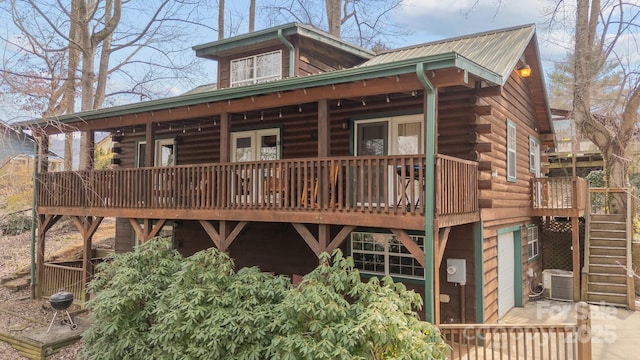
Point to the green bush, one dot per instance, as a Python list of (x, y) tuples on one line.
[(15, 224), (153, 304)]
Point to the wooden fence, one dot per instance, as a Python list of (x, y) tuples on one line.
[(521, 341)]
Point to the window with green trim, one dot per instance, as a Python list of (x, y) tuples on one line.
[(533, 245), (534, 156), (384, 254), (511, 151)]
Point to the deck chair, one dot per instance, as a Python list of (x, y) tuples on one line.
[(333, 186), (274, 188)]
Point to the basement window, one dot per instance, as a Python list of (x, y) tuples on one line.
[(256, 69), (384, 254)]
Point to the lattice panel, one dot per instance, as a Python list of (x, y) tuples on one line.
[(556, 244)]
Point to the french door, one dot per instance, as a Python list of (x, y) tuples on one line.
[(252, 145), (398, 135)]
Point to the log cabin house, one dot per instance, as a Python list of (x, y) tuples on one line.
[(422, 163)]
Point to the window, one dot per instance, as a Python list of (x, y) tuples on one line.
[(384, 254), (256, 69), (255, 145), (511, 151), (534, 156), (533, 246), (165, 153)]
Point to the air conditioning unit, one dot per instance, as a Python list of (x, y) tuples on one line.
[(558, 284)]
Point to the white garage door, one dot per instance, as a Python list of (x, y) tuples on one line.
[(506, 271)]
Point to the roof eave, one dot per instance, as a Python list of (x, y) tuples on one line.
[(433, 62), (209, 50)]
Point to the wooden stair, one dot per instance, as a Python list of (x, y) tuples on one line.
[(606, 260)]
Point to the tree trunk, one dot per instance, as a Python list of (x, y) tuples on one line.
[(334, 16), (252, 15), (220, 19)]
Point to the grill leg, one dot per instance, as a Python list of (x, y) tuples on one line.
[(52, 320)]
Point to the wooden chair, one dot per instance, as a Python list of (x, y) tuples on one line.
[(274, 188), (333, 186)]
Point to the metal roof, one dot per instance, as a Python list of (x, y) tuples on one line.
[(212, 48), (498, 50)]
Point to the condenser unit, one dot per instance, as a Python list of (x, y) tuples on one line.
[(558, 284)]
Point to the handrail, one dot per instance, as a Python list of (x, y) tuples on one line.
[(558, 193), (392, 184)]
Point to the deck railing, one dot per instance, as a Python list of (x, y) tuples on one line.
[(382, 184), (521, 341), (559, 193)]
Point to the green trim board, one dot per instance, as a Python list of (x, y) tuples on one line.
[(478, 251)]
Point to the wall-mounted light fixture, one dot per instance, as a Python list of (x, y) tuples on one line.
[(525, 71)]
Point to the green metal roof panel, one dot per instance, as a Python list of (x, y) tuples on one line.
[(497, 51)]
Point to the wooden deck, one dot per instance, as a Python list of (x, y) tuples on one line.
[(358, 191), (559, 196)]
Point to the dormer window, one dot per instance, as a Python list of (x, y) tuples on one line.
[(256, 69)]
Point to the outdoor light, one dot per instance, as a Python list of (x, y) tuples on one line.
[(525, 71)]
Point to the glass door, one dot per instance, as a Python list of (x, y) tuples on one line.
[(371, 140), (252, 145)]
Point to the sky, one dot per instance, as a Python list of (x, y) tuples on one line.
[(428, 20), (431, 20)]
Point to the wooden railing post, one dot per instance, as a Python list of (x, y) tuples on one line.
[(583, 330)]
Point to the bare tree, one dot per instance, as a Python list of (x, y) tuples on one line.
[(252, 15), (220, 19), (74, 51), (365, 22), (600, 29)]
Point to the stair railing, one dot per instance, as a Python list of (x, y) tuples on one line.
[(631, 293)]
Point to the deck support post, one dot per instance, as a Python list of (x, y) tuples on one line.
[(323, 128), (575, 244), (150, 138)]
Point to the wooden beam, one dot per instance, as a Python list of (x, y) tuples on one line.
[(575, 245), (324, 148), (150, 147), (234, 234), (401, 83), (447, 77), (411, 245), (483, 129), (323, 237), (339, 238), (225, 138), (307, 237), (137, 228), (151, 233), (211, 231), (482, 110), (443, 237)]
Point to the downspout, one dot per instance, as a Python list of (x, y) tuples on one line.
[(36, 159), (292, 59), (430, 163)]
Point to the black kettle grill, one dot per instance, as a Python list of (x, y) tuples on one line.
[(60, 302)]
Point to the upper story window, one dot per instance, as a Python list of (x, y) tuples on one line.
[(534, 156), (511, 151), (256, 69)]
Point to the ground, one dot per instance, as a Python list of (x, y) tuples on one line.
[(19, 314)]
